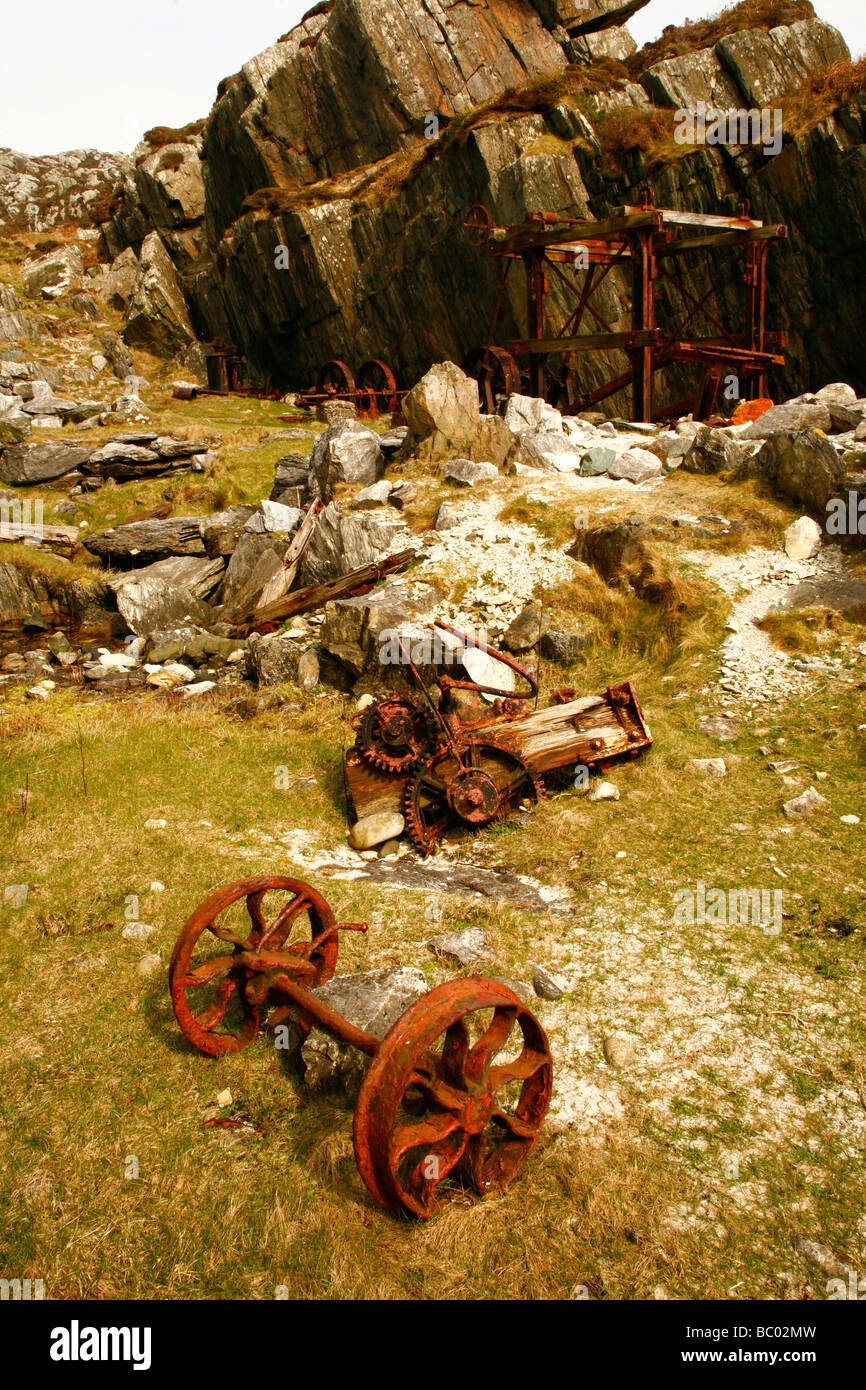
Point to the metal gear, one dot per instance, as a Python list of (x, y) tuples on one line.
[(476, 781), (395, 732)]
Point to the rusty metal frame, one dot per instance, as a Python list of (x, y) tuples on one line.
[(648, 237)]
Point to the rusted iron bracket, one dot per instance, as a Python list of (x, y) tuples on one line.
[(437, 1111)]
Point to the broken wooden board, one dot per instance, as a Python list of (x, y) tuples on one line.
[(358, 581), (283, 580)]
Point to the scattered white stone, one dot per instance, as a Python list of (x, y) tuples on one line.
[(364, 702), (157, 887), (850, 820), (376, 829), (802, 539), (155, 824), (149, 965), (546, 984), (136, 931), (708, 767), (189, 692), (804, 804), (467, 947), (618, 1051), (605, 791)]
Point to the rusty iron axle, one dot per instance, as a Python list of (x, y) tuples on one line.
[(457, 1090)]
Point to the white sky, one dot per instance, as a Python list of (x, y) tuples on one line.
[(98, 73)]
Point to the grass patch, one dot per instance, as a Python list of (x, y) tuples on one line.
[(550, 521)]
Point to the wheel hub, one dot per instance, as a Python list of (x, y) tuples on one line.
[(474, 797)]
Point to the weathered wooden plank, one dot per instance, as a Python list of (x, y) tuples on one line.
[(285, 576), (317, 595)]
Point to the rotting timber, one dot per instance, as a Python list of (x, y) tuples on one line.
[(472, 757), (445, 1104), (580, 254)]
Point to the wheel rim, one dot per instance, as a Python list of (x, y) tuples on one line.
[(336, 379), (437, 1107), (377, 388), (497, 374), (207, 976)]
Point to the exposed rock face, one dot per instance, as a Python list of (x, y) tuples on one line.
[(158, 318), (364, 90), (52, 190)]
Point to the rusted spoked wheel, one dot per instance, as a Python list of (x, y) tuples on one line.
[(485, 783), (208, 976), (477, 225), (336, 379), (377, 388), (496, 372), (454, 1098)]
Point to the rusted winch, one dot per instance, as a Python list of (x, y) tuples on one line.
[(456, 1092), (466, 761), (372, 388)]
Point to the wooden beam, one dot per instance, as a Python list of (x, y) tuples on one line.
[(588, 342), (672, 217), (719, 239), (527, 236)]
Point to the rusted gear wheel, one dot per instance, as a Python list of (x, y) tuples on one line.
[(207, 975), (455, 1097), (483, 784), (395, 732)]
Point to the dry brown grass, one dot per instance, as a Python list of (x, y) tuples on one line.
[(676, 40), (823, 94)]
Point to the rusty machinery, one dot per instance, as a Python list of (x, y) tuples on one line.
[(457, 1090), (580, 254), (471, 761), (373, 388)]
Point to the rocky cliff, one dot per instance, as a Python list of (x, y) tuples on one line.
[(359, 140)]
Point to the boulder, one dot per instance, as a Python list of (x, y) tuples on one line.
[(158, 318), (276, 658), (345, 453), (597, 460), (52, 275), (547, 449), (376, 495), (21, 464), (372, 1001), (526, 630), (15, 423), (562, 647), (465, 473), (255, 560), (274, 518), (443, 414), (803, 539), (167, 594), (448, 517), (341, 543), (528, 413), (376, 829), (636, 466), (713, 451), (804, 467), (792, 417), (222, 531), (148, 541)]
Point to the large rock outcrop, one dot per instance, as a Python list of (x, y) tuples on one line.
[(318, 213)]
